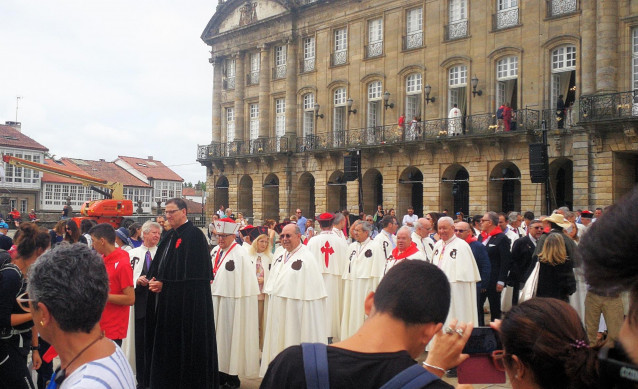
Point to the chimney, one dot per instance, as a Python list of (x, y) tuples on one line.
[(16, 125), (150, 158), (102, 160)]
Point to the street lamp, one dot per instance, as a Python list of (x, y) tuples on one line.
[(349, 105), (428, 99), (386, 97), (317, 114), (475, 92)]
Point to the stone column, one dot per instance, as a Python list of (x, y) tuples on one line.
[(588, 48), (217, 99), (606, 46), (291, 90), (581, 166), (240, 80), (264, 92)]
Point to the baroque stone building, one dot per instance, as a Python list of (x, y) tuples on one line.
[(299, 84)]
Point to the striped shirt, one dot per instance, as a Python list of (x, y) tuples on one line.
[(112, 372)]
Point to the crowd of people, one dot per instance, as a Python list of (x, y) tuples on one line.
[(352, 302)]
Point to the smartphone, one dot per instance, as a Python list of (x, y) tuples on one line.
[(479, 368)]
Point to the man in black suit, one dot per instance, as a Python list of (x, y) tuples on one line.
[(522, 253), (5, 241), (498, 249)]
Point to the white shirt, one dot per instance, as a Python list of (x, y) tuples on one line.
[(112, 372)]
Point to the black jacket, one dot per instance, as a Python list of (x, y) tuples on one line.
[(522, 253), (498, 249)]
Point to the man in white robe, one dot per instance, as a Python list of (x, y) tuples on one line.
[(358, 280), (133, 345), (454, 121), (382, 248), (454, 256), (421, 237), (297, 298), (330, 252), (234, 291), (338, 224), (405, 250)]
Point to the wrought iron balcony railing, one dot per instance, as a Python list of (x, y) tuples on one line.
[(523, 120), (339, 57), (374, 49), (505, 18), (456, 30), (561, 7), (609, 106), (279, 72), (413, 40)]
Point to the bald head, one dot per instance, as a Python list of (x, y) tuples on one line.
[(422, 227)]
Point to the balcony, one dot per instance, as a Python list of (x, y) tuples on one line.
[(374, 49), (279, 72), (229, 83), (413, 40), (505, 19), (557, 8), (339, 57), (252, 78), (456, 30), (429, 131), (307, 65), (611, 106)]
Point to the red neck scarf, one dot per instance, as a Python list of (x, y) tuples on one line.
[(471, 239), (411, 250), (496, 230)]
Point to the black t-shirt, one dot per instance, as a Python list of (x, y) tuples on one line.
[(11, 285), (346, 369)]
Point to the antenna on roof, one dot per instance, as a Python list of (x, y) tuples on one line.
[(17, 104)]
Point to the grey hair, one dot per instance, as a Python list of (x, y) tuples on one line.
[(569, 214), (146, 227), (71, 281), (417, 224), (297, 229), (512, 217), (564, 209), (365, 226), (405, 228), (493, 217), (446, 219), (338, 218)]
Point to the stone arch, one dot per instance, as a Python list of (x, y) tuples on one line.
[(504, 189), (410, 192), (372, 187), (336, 192), (270, 197), (221, 192), (411, 69), (372, 77), (561, 175), (245, 196), (455, 189), (306, 194)]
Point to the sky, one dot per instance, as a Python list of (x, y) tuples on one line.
[(102, 78)]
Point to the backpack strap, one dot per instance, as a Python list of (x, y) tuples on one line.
[(315, 365), (414, 377)]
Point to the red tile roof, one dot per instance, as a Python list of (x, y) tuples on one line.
[(191, 192), (152, 168), (65, 164), (193, 207), (10, 137), (108, 171)]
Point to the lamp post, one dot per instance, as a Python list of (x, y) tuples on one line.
[(474, 82), (386, 97), (428, 99)]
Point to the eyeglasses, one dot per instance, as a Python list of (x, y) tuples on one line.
[(537, 227), (23, 301), (485, 220), (497, 359), (286, 235), (459, 231), (171, 211), (298, 211)]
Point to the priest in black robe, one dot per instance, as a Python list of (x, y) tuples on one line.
[(181, 350)]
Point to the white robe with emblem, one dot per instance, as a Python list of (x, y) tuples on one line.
[(454, 126), (296, 304), (424, 245), (382, 247), (358, 283), (128, 343), (392, 262), (235, 290), (334, 247), (457, 262)]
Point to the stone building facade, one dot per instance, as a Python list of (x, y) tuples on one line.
[(298, 85)]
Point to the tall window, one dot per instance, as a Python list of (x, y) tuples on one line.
[(308, 114), (413, 91), (457, 27), (563, 74), (254, 121), (414, 28), (230, 124), (229, 71), (309, 54), (564, 58), (255, 67), (339, 116), (280, 62), (506, 76), (340, 52), (374, 104), (507, 14), (457, 82), (280, 117), (635, 57), (375, 38)]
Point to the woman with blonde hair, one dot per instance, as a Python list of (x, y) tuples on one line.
[(260, 254), (272, 234), (556, 270)]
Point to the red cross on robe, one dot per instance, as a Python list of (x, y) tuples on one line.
[(327, 252)]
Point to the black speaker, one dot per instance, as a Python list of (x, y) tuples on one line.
[(538, 163), (352, 166)]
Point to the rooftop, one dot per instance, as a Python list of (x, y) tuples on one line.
[(152, 168), (10, 137)]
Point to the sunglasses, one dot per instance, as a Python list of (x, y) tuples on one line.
[(286, 235), (459, 231)]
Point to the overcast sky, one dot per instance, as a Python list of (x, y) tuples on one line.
[(112, 77)]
